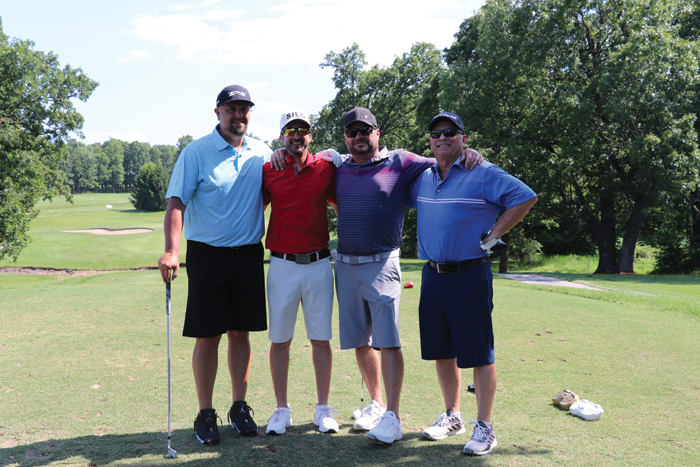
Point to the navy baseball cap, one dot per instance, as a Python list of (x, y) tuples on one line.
[(454, 118), (233, 93), (359, 114)]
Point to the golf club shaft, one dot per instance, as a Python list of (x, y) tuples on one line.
[(171, 451)]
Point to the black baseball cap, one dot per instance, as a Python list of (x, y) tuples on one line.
[(233, 93), (454, 118), (359, 114)]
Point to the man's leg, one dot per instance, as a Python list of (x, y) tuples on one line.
[(368, 362), (239, 363), (450, 379), (205, 360), (279, 367), (322, 356), (392, 371), (485, 386)]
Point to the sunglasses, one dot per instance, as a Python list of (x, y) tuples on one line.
[(301, 131), (364, 130), (449, 133)]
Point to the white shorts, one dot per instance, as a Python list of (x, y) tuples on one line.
[(288, 284)]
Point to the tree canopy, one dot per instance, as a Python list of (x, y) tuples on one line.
[(591, 102), (36, 118)]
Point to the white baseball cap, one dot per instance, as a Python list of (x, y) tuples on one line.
[(291, 116)]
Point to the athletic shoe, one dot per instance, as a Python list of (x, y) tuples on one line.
[(205, 429), (323, 419), (280, 420), (370, 416), (387, 430), (483, 439), (241, 419), (448, 424)]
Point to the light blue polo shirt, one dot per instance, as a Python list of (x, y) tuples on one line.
[(454, 213), (222, 190)]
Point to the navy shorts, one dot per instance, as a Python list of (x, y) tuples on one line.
[(226, 290), (455, 316)]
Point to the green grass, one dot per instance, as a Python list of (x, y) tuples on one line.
[(54, 248), (573, 264), (83, 366), (62, 337)]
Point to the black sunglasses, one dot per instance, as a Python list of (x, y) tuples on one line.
[(449, 133), (364, 130), (290, 131)]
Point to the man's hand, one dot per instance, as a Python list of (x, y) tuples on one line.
[(471, 158), (169, 262), (278, 159), (492, 246), (332, 156)]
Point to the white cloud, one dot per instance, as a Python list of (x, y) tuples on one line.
[(129, 136), (134, 55), (302, 31)]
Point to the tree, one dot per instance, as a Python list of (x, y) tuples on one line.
[(150, 188), (136, 154), (36, 118), (164, 155), (182, 143), (80, 168), (590, 102), (114, 151)]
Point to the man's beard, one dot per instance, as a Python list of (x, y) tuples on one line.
[(363, 152), (234, 128)]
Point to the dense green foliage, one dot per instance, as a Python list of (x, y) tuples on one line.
[(589, 102), (36, 116), (150, 188)]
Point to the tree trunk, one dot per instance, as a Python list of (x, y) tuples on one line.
[(695, 229), (607, 248), (629, 242), (503, 263)]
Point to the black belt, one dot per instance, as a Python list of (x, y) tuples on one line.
[(303, 258), (444, 268)]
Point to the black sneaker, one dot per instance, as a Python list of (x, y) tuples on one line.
[(241, 419), (205, 429)]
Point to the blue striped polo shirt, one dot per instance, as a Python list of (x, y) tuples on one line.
[(454, 213), (222, 190)]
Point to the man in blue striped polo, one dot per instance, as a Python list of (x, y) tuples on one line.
[(457, 210)]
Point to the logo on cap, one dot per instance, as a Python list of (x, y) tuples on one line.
[(236, 93)]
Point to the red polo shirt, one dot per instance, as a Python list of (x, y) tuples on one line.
[(298, 222)]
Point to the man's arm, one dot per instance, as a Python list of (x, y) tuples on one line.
[(172, 226), (510, 218), (471, 158)]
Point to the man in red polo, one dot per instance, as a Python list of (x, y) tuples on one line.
[(300, 269)]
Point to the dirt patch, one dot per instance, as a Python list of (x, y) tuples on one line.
[(101, 231), (66, 272)]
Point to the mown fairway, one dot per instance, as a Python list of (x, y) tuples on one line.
[(83, 374)]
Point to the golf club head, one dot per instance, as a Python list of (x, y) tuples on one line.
[(172, 452), (357, 414)]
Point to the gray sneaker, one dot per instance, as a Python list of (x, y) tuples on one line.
[(483, 439), (370, 416), (448, 424)]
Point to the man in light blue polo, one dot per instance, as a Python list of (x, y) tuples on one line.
[(216, 192), (457, 210)]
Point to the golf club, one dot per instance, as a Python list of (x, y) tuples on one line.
[(171, 451), (358, 413)]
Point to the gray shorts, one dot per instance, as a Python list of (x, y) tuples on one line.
[(369, 295)]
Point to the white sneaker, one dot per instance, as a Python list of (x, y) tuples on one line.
[(387, 430), (370, 416), (323, 419), (279, 421), (448, 424), (483, 439)]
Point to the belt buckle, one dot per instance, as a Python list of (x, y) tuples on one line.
[(438, 266), (302, 259)]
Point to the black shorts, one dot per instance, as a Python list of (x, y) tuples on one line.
[(226, 290)]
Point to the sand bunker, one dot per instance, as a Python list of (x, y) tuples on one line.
[(110, 231)]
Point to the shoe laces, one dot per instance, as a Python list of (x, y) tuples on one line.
[(481, 433), (278, 415), (388, 423), (209, 421), (443, 420), (371, 409), (328, 412)]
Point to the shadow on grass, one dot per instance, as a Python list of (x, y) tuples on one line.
[(302, 445)]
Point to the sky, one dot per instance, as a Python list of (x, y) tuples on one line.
[(160, 64)]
